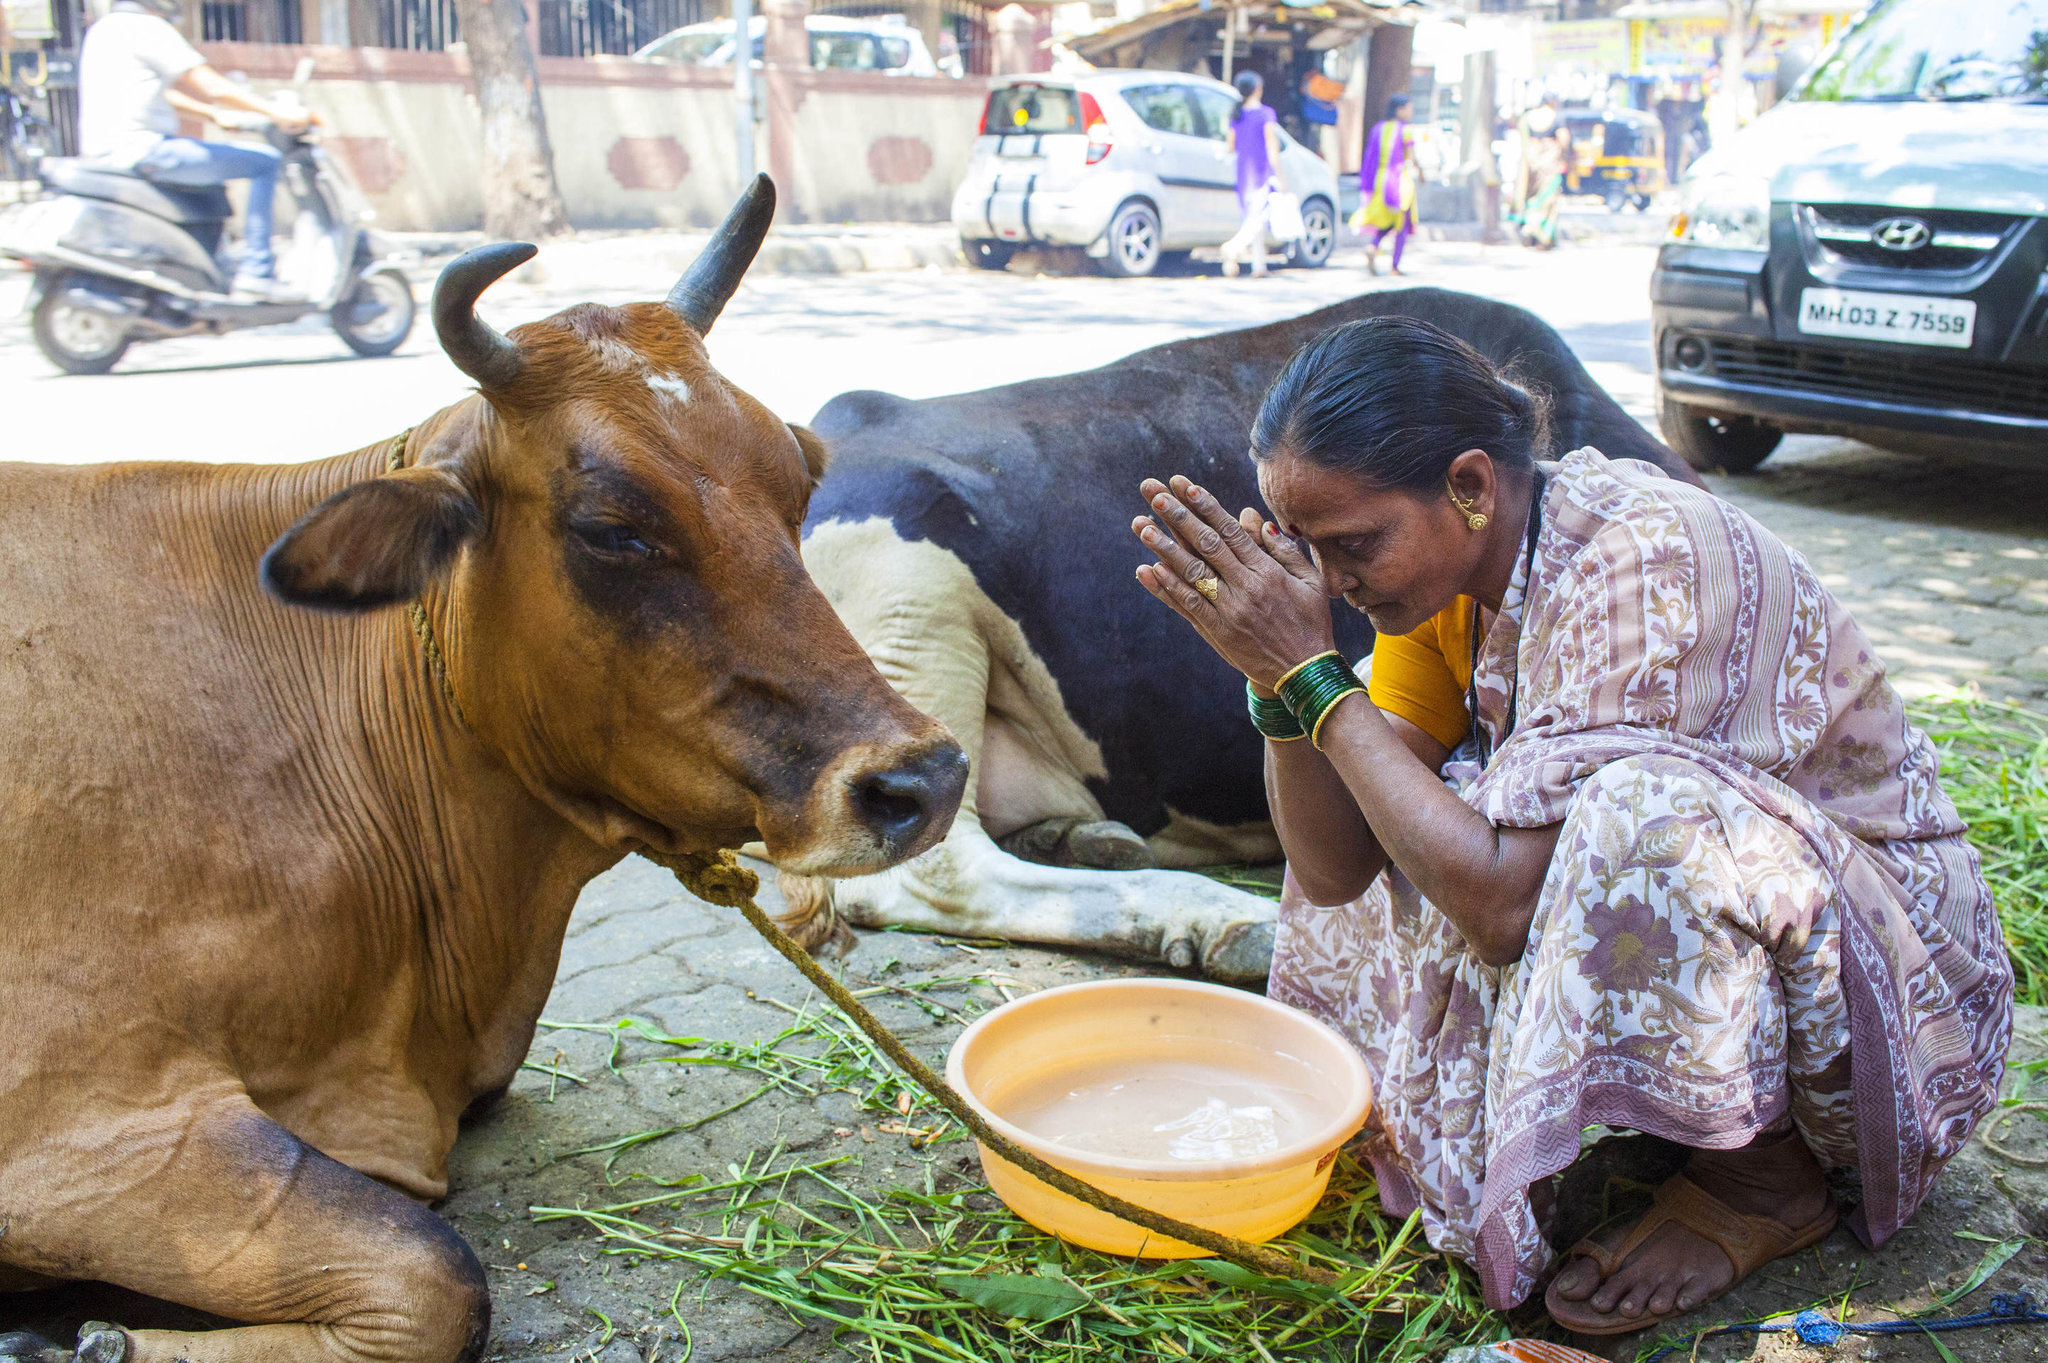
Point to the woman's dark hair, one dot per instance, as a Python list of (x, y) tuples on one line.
[(1248, 84), (1393, 400), (1397, 104)]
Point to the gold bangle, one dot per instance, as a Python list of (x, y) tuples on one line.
[(1315, 736), (1326, 653)]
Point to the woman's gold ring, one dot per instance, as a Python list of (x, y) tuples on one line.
[(1207, 587)]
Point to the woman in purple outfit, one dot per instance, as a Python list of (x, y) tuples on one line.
[(1255, 140), (1387, 177)]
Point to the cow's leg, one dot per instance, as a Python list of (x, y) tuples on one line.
[(219, 1208), (952, 653)]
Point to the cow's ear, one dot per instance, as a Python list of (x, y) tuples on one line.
[(816, 453), (373, 543)]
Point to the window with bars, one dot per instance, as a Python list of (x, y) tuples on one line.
[(417, 25), (250, 21)]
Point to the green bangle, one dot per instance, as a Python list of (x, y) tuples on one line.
[(1313, 689), (1271, 717)]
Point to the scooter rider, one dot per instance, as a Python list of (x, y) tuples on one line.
[(135, 73)]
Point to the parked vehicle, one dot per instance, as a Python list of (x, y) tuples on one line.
[(121, 259), (837, 44), (1617, 154), (1870, 257), (1132, 165)]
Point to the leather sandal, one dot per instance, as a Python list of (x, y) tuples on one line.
[(1750, 1242)]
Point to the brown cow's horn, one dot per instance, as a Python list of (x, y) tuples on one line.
[(477, 349), (705, 287)]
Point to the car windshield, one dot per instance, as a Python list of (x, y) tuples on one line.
[(859, 52), (690, 49), (1034, 109), (1907, 50)]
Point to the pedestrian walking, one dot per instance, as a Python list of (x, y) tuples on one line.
[(1255, 141), (1387, 180), (1550, 161)]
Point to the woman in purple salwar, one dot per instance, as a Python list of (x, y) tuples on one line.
[(1255, 142), (1624, 826)]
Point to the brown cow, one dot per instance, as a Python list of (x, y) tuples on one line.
[(280, 899)]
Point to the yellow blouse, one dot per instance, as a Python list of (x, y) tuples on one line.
[(1423, 676)]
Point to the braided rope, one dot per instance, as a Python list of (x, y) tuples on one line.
[(719, 879)]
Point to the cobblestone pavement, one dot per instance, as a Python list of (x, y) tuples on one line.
[(1942, 559)]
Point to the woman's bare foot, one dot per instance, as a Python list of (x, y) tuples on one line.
[(1678, 1270)]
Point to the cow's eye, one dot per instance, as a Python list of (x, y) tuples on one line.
[(613, 537)]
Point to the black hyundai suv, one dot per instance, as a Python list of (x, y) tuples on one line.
[(1870, 257)]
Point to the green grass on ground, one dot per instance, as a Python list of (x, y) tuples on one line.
[(1994, 763)]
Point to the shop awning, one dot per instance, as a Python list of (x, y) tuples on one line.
[(1718, 9), (1332, 23)]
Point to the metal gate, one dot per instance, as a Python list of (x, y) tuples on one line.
[(583, 28)]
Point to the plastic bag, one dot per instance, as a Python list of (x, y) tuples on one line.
[(1283, 215)]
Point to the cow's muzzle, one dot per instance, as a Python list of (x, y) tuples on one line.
[(909, 807), (874, 807)]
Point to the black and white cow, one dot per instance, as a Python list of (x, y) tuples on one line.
[(979, 548)]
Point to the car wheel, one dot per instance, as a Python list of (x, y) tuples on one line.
[(988, 255), (77, 340), (1641, 202), (1616, 195), (1715, 442), (1133, 241), (377, 315), (1318, 234)]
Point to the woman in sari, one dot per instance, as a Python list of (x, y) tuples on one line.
[(1624, 826), (1387, 177), (1550, 157)]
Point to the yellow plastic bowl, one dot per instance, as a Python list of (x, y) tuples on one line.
[(1213, 1106)]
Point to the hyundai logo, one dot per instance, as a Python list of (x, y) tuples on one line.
[(1901, 234)]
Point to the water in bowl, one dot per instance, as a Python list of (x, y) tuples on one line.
[(1159, 1109)]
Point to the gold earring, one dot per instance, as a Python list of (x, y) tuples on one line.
[(1474, 520)]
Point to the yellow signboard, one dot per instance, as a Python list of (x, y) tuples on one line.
[(1591, 45), (27, 21)]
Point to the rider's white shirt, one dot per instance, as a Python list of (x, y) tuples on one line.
[(130, 59)]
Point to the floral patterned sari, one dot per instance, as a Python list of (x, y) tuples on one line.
[(1761, 906)]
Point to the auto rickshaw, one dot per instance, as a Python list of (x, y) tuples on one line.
[(1617, 154)]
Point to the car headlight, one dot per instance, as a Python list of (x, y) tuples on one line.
[(1732, 212)]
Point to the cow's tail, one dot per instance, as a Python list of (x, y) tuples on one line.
[(812, 916)]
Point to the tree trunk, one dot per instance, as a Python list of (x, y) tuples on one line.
[(521, 200), (1724, 120)]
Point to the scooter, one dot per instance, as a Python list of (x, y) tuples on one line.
[(120, 259)]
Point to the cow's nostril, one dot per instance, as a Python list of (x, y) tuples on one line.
[(902, 803)]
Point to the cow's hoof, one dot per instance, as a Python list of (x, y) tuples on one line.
[(1091, 845), (25, 1346), (1242, 954), (99, 1342), (1107, 845)]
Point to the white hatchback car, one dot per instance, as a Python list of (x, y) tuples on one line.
[(1133, 165)]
